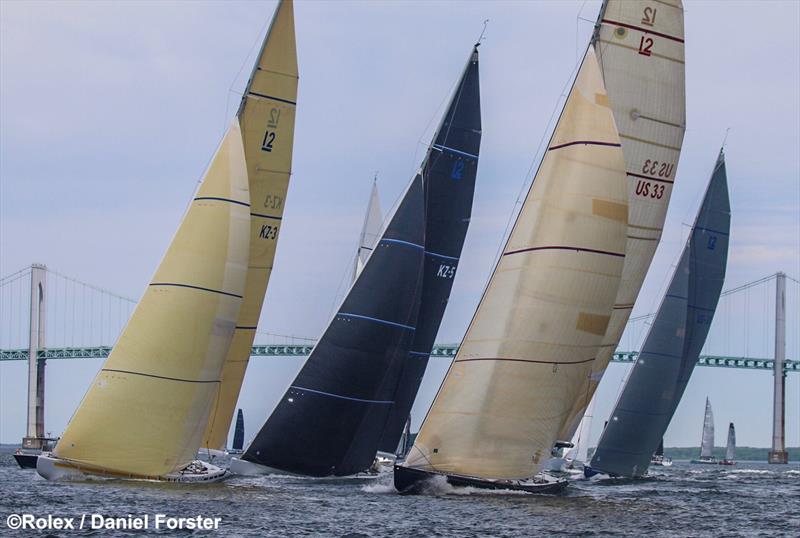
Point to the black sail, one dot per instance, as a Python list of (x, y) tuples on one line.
[(449, 171), (672, 347), (331, 418), (238, 432)]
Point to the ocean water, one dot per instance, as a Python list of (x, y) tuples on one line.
[(751, 499)]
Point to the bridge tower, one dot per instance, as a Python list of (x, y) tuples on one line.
[(778, 453), (35, 432)]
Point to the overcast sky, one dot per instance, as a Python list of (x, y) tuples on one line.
[(109, 113)]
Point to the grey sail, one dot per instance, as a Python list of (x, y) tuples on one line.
[(707, 443), (730, 450), (672, 347), (238, 432)]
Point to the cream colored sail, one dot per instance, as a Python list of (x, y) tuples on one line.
[(543, 315), (267, 116), (639, 45), (145, 412)]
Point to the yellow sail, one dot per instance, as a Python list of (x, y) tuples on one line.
[(145, 412), (267, 115), (639, 44), (543, 315)]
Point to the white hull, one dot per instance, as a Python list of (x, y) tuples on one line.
[(52, 468)]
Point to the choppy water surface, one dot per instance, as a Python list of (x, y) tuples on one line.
[(751, 499)]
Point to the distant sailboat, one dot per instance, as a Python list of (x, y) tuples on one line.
[(707, 442), (672, 347), (370, 231), (144, 414), (364, 372), (238, 434), (640, 47), (267, 116), (658, 458), (730, 450), (541, 320), (579, 454)]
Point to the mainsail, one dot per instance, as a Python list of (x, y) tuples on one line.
[(331, 418), (238, 432), (267, 115), (370, 231), (449, 171), (542, 317), (707, 443), (730, 450), (639, 44), (144, 414), (672, 347)]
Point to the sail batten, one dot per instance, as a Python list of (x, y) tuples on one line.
[(267, 116)]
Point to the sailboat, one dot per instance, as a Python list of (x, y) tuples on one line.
[(238, 434), (579, 454), (267, 117), (730, 449), (144, 413), (640, 47), (370, 231), (659, 459), (542, 317), (707, 442), (672, 347), (341, 406)]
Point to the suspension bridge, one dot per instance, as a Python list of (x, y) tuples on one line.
[(52, 316)]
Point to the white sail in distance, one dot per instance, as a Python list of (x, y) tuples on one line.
[(370, 231), (707, 443), (640, 47), (543, 315)]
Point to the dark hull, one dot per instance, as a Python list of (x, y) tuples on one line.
[(27, 461), (410, 481)]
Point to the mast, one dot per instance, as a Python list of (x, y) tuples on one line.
[(267, 117), (449, 170), (640, 48), (545, 309), (672, 346), (144, 413)]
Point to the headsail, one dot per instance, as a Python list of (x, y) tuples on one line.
[(672, 347), (331, 418), (707, 443), (370, 231), (639, 44), (266, 114), (144, 414), (545, 310), (449, 171), (730, 450), (238, 432)]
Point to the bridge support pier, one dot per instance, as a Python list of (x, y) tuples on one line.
[(35, 438), (778, 453)]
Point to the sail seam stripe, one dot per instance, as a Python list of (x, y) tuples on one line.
[(342, 397), (651, 178), (272, 97), (401, 242), (419, 353), (644, 30), (677, 297), (160, 376), (577, 249), (358, 316), (458, 152), (711, 230), (644, 353), (644, 141), (195, 288), (265, 216), (222, 200), (642, 238), (524, 360), (585, 143), (437, 255), (701, 308), (246, 328), (635, 49)]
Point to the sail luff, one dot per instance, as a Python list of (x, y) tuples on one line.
[(707, 442), (450, 171), (640, 47), (545, 309), (145, 412), (267, 117)]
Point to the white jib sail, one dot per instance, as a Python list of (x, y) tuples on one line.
[(370, 231)]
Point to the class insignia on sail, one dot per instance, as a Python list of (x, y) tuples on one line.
[(672, 346), (354, 394), (640, 48), (542, 317)]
